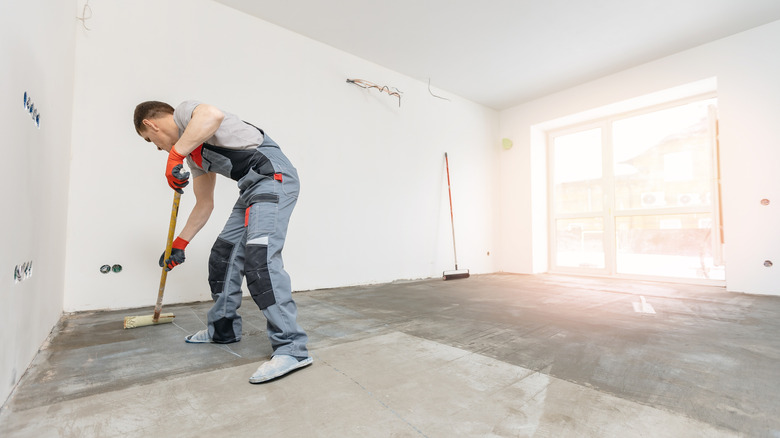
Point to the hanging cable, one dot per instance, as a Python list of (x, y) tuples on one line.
[(362, 83), (429, 90), (84, 16)]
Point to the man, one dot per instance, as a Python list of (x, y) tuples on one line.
[(215, 142)]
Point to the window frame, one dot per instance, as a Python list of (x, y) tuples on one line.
[(609, 214)]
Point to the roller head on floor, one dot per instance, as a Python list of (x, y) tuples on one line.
[(455, 275), (141, 321)]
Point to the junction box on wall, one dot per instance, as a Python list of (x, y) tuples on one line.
[(23, 271), (29, 106)]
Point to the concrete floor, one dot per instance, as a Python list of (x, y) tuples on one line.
[(493, 355)]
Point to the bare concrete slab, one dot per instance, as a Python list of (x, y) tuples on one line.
[(442, 391), (388, 385), (494, 355)]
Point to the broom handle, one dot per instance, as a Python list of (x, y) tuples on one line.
[(452, 218), (168, 248)]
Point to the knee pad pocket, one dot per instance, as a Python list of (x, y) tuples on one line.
[(258, 279), (219, 261)]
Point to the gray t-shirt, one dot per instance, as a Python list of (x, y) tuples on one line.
[(232, 133)]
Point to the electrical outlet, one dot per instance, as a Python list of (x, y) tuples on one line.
[(105, 269)]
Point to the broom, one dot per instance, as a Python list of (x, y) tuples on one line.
[(457, 273), (157, 318)]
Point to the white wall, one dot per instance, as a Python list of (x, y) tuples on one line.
[(36, 56), (747, 69), (373, 204)]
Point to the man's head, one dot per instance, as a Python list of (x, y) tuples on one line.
[(154, 123)]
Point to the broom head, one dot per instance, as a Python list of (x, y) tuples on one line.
[(142, 321)]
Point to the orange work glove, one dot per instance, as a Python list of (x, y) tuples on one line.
[(177, 254), (177, 178)]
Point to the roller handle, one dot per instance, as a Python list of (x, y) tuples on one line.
[(452, 217)]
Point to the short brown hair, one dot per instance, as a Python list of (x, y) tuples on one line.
[(149, 110)]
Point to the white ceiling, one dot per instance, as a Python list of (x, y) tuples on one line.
[(501, 53)]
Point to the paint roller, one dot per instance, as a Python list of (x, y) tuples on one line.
[(457, 273)]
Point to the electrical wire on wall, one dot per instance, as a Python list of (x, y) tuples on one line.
[(84, 17), (384, 88), (429, 90)]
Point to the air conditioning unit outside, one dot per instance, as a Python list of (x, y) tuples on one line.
[(688, 199), (653, 199)]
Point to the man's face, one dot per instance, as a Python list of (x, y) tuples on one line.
[(160, 131)]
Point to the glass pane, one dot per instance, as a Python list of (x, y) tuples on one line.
[(577, 174), (667, 245), (580, 242), (664, 159)]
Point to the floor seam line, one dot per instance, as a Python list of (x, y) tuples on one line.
[(371, 394)]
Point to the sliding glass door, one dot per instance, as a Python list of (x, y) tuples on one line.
[(579, 200), (636, 195)]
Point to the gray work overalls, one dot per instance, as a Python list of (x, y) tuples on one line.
[(251, 244)]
